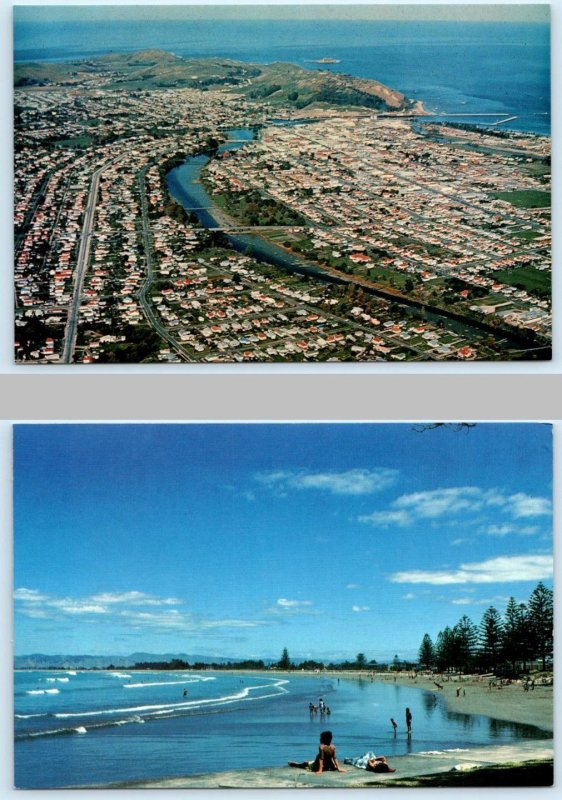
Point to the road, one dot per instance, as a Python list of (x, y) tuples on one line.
[(71, 329)]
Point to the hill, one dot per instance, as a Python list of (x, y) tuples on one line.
[(278, 83)]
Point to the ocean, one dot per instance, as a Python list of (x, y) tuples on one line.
[(452, 67), (77, 728)]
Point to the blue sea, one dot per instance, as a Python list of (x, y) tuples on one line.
[(78, 728), (454, 67)]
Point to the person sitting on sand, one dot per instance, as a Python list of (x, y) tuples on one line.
[(378, 764), (325, 761)]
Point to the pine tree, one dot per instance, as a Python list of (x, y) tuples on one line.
[(491, 638), (427, 653), (540, 623), (465, 641), (285, 661), (444, 649), (514, 634)]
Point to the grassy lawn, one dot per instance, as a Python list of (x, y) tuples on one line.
[(75, 141), (526, 276), (525, 198), (531, 773), (526, 236)]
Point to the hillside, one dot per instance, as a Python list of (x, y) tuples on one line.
[(278, 83)]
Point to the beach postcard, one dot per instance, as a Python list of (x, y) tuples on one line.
[(282, 605), (281, 184)]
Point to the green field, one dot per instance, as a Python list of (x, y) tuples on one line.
[(525, 198), (528, 277)]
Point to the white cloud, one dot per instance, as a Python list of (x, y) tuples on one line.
[(435, 504), (512, 530), (287, 608), (124, 608), (472, 601), (352, 586), (29, 595), (385, 518), (360, 608), (74, 607), (503, 569), (292, 603), (524, 506), (349, 482), (135, 598), (409, 596)]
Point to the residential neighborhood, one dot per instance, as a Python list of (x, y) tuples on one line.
[(372, 236)]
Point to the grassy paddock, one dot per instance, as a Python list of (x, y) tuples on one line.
[(526, 276), (525, 198)]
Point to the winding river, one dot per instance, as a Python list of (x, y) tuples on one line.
[(185, 186)]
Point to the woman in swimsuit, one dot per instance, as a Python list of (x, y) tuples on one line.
[(325, 761)]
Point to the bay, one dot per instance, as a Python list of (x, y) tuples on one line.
[(453, 67), (99, 727)]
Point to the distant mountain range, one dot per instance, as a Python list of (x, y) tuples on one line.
[(278, 84), (42, 661)]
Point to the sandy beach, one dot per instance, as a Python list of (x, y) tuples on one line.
[(510, 702)]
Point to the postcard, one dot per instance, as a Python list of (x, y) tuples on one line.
[(282, 184), (283, 605)]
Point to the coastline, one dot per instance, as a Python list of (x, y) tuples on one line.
[(510, 703)]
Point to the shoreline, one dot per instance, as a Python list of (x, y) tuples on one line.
[(447, 763), (510, 703)]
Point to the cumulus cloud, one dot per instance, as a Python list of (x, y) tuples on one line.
[(436, 504), (503, 569), (360, 608), (349, 482)]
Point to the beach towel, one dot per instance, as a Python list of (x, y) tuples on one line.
[(360, 761)]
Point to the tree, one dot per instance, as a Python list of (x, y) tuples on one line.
[(491, 638), (444, 649), (540, 623), (466, 637), (284, 661), (360, 661), (513, 632), (427, 653)]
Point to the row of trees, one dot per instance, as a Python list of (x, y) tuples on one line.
[(524, 634)]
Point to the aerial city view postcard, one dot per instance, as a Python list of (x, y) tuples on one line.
[(250, 184), (283, 605)]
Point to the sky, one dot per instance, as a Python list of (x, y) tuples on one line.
[(526, 12), (238, 540)]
